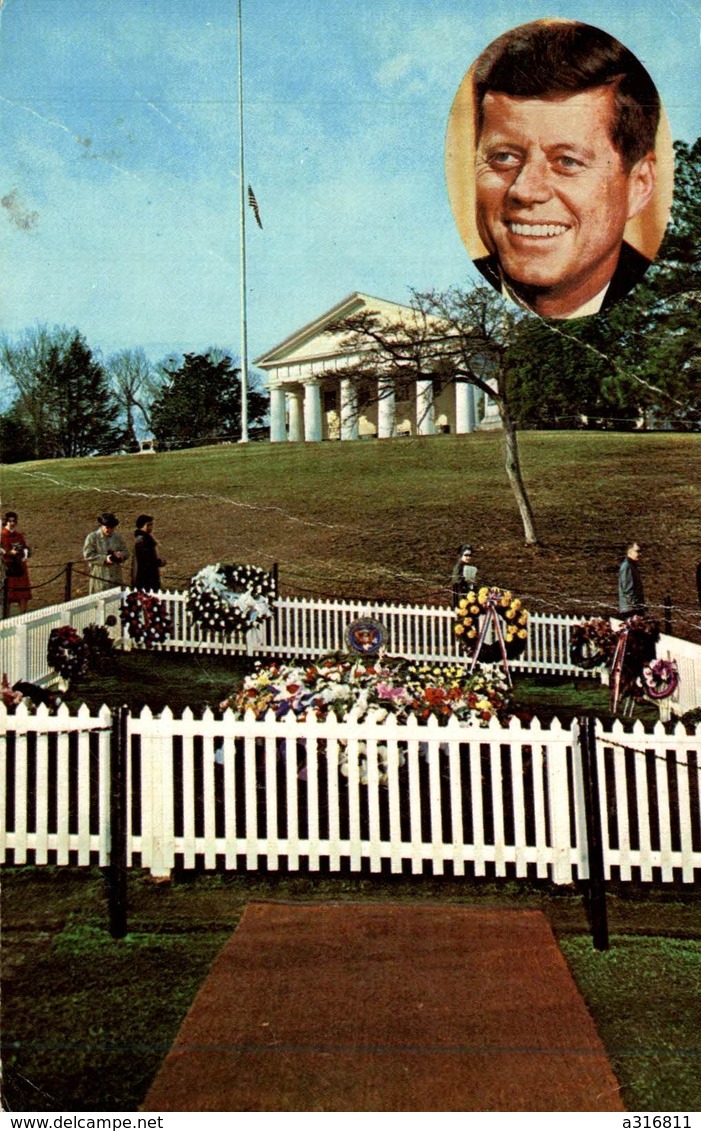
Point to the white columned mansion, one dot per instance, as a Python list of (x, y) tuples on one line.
[(311, 400)]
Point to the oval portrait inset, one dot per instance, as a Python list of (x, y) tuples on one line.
[(560, 167)]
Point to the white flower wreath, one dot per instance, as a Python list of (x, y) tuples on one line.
[(231, 599)]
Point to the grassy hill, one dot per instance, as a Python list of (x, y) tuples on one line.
[(384, 518)]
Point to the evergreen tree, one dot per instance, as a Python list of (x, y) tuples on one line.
[(200, 402), (62, 404)]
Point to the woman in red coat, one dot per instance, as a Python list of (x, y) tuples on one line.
[(15, 552)]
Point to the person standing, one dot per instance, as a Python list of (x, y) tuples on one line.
[(15, 552), (464, 575), (631, 598), (147, 563), (104, 551)]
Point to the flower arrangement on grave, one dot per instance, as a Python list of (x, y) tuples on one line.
[(629, 652), (67, 652), (643, 633), (592, 643), (10, 697), (356, 687), (475, 605), (100, 651), (231, 599), (145, 618), (660, 679)]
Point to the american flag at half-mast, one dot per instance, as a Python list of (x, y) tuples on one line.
[(254, 205)]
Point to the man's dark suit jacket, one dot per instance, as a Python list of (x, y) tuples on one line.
[(630, 269)]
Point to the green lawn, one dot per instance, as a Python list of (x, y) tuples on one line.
[(178, 680), (384, 518), (88, 1020)]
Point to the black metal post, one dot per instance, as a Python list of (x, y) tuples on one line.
[(592, 804), (68, 582), (117, 873), (668, 614), (275, 578)]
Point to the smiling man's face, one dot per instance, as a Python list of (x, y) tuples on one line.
[(553, 196)]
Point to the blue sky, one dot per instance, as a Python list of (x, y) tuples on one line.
[(119, 178)]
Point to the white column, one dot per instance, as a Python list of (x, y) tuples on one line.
[(278, 428), (386, 408), (349, 410), (461, 407), (425, 410), (490, 418), (312, 411), (471, 408), (295, 419), (465, 418)]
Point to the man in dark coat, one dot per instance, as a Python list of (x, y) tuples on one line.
[(631, 598), (630, 269)]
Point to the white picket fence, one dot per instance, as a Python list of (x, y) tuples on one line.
[(308, 628), (24, 639), (246, 794), (299, 628), (316, 627)]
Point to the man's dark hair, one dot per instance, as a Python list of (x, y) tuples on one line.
[(544, 59)]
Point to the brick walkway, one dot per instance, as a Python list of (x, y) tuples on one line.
[(386, 1007)]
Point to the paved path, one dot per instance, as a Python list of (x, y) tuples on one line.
[(387, 1007)]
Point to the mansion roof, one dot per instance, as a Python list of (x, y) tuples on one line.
[(313, 342)]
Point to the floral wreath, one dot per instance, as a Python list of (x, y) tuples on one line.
[(660, 679), (592, 643), (145, 618), (474, 606), (231, 599), (67, 652)]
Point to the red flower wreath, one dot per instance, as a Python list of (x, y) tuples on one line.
[(145, 618)]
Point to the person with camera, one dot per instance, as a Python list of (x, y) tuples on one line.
[(15, 552), (105, 551), (464, 574)]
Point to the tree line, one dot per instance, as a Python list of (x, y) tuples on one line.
[(66, 402)]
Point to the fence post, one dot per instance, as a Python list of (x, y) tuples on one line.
[(559, 807), (68, 582), (117, 873), (595, 844), (667, 605), (22, 668)]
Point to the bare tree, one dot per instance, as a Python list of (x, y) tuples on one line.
[(135, 382), (457, 335)]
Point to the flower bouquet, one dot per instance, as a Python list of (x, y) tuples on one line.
[(145, 618), (592, 643), (660, 679), (231, 599), (468, 623), (67, 652)]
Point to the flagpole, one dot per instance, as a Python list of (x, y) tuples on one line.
[(242, 223)]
